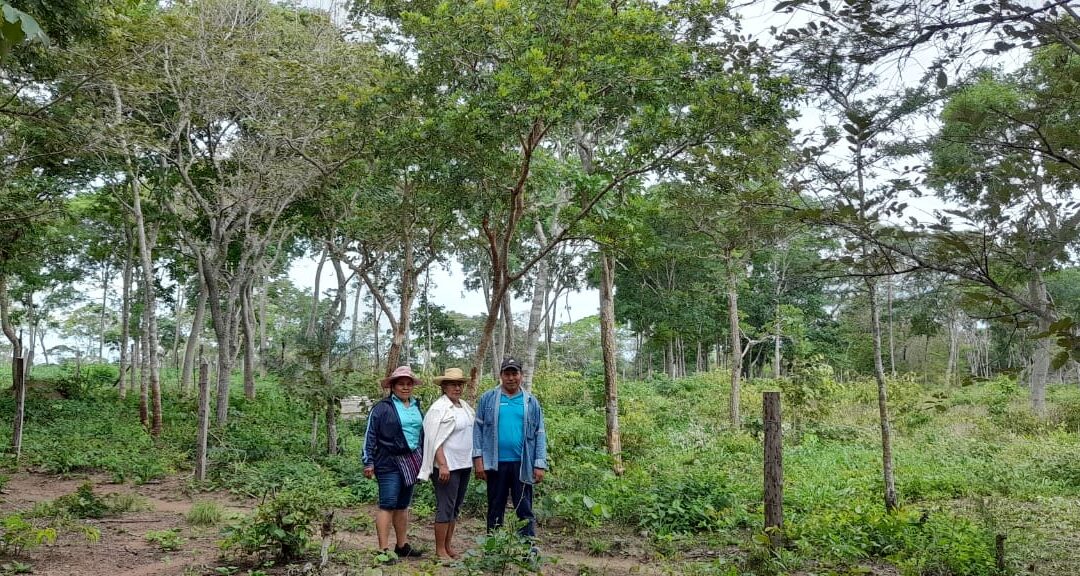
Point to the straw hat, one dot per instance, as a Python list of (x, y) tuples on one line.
[(450, 375), (400, 372)]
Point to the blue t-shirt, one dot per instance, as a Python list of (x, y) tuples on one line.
[(511, 427), (412, 423)]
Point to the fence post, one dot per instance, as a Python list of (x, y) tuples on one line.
[(774, 468), (18, 382), (204, 420)]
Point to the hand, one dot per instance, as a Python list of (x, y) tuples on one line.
[(478, 469), (369, 472), (444, 475), (538, 475)]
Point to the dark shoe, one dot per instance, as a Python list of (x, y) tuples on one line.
[(407, 551)]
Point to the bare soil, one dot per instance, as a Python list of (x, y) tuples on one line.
[(124, 551)]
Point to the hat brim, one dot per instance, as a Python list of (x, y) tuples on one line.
[(389, 380), (440, 380)]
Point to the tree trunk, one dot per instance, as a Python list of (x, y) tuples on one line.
[(892, 341), (203, 423), (778, 330), (144, 374), (736, 342), (31, 324), (954, 348), (247, 328), (125, 316), (263, 355), (177, 313), (315, 296), (536, 311), (5, 322), (883, 403), (377, 356), (105, 276), (194, 335), (314, 441), (136, 365), (331, 427), (607, 345), (44, 350), (354, 333), (1040, 361), (18, 383)]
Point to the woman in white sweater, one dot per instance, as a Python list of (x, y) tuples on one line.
[(448, 429)]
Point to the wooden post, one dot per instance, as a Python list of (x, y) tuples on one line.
[(203, 420), (999, 552), (774, 468), (18, 382)]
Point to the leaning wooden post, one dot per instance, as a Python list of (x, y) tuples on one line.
[(774, 469), (204, 420), (18, 382)]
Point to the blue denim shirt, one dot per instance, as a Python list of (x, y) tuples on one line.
[(486, 434)]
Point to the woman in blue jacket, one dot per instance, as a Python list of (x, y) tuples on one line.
[(392, 454)]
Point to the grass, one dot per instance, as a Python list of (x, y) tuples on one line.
[(206, 513), (971, 462)]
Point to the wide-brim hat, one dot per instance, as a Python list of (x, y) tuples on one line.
[(400, 372), (450, 375)]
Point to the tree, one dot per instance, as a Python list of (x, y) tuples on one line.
[(534, 70), (228, 150), (1004, 150)]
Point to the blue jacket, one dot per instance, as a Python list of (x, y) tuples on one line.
[(384, 438), (486, 434)]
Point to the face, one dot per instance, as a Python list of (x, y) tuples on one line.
[(402, 388), (453, 389), (511, 381)]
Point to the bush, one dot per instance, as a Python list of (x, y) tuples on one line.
[(281, 528), (165, 540), (18, 535)]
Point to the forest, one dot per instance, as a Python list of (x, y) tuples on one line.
[(223, 222)]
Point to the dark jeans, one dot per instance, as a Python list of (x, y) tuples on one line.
[(502, 483)]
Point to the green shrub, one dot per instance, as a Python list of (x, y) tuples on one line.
[(281, 528), (18, 535), (691, 504), (503, 552), (165, 540), (83, 503)]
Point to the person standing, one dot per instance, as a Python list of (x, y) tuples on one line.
[(509, 447), (448, 438), (392, 454)]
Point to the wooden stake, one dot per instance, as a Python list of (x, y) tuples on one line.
[(774, 468), (203, 420)]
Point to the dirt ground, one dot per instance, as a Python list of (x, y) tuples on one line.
[(123, 550)]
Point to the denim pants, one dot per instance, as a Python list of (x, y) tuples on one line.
[(502, 483)]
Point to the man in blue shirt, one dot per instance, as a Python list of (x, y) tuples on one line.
[(509, 447)]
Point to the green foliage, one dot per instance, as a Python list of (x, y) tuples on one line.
[(205, 513), (809, 392), (281, 528), (19, 535), (503, 552), (84, 381), (165, 540), (16, 567), (83, 503)]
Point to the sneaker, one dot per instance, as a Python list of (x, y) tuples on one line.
[(386, 557), (407, 551)]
